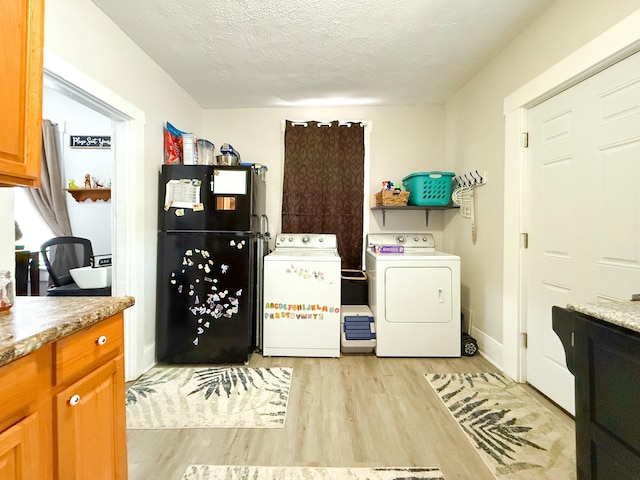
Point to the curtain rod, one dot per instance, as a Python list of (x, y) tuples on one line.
[(364, 123)]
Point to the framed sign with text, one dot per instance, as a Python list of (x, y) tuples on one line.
[(89, 141)]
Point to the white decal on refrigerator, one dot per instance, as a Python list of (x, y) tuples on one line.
[(208, 303)]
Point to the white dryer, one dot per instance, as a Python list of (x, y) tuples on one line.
[(414, 296), (302, 286)]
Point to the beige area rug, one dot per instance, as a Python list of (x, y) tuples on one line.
[(231, 472), (206, 397), (516, 436)]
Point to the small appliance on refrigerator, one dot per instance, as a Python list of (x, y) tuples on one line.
[(213, 235)]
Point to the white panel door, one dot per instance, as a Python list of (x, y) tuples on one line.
[(582, 210)]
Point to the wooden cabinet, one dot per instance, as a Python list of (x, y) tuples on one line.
[(18, 450), (90, 432), (25, 417), (62, 413), (21, 42), (605, 360), (89, 403)]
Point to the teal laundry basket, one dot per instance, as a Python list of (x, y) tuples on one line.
[(429, 188)]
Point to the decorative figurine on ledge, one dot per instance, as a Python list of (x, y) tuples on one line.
[(87, 181), (72, 184)]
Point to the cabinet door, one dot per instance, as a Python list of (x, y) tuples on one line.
[(19, 451), (21, 43), (90, 426), (607, 371)]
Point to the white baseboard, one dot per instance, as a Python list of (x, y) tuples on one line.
[(149, 357), (488, 347), (134, 369)]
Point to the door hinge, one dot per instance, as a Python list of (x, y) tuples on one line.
[(524, 237), (525, 139), (523, 339)]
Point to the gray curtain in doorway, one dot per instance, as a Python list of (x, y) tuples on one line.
[(49, 200)]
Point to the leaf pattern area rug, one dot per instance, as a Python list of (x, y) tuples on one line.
[(231, 472), (207, 397), (516, 436)]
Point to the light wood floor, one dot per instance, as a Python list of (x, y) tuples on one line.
[(356, 411)]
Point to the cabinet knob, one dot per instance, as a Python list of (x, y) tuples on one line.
[(101, 340), (73, 401)]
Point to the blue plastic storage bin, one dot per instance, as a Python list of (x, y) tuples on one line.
[(429, 188)]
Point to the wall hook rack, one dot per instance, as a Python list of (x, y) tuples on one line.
[(464, 196), (471, 179)]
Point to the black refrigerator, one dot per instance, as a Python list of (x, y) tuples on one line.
[(212, 238)]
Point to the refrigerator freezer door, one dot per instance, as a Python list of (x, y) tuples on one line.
[(206, 198), (205, 298)]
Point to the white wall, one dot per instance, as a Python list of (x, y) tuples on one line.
[(404, 139), (79, 33), (88, 219), (475, 139)]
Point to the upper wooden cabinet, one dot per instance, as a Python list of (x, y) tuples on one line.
[(21, 43)]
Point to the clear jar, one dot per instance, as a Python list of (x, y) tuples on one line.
[(6, 290)]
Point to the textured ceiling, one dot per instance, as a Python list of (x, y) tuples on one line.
[(261, 53)]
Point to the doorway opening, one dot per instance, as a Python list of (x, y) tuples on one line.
[(127, 131)]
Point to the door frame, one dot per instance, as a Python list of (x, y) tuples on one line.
[(128, 122), (616, 43)]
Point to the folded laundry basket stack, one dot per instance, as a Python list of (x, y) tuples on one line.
[(356, 320), (358, 329)]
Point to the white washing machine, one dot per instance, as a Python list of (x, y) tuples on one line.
[(301, 301), (414, 296)]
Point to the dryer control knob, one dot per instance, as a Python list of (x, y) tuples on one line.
[(321, 239), (400, 239), (291, 239), (424, 239), (282, 239), (416, 239), (305, 239)]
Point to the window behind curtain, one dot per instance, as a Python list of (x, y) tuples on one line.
[(323, 189)]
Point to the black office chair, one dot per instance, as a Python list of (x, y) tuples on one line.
[(61, 254)]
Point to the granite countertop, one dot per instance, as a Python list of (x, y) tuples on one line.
[(33, 322), (625, 314)]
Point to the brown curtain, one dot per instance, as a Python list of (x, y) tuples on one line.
[(323, 190)]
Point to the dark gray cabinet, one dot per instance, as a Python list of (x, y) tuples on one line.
[(605, 361)]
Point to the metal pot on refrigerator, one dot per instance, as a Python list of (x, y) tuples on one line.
[(227, 159)]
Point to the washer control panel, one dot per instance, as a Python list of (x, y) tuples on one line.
[(306, 240), (407, 240)]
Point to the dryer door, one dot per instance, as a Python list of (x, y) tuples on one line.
[(418, 294)]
